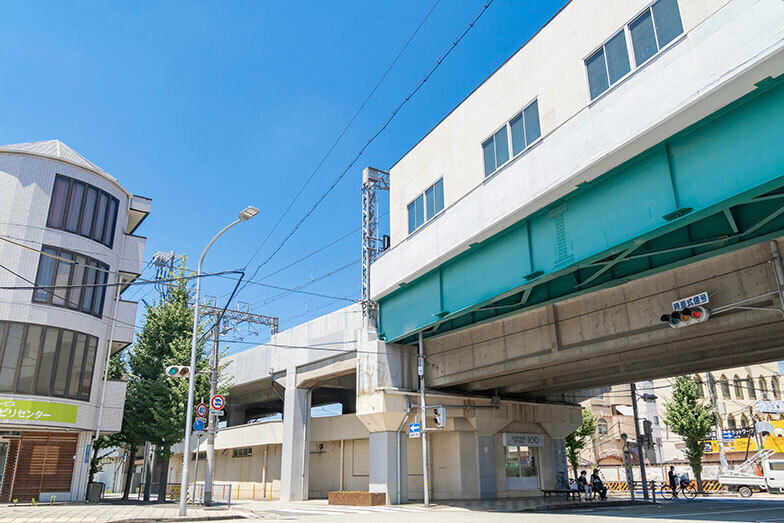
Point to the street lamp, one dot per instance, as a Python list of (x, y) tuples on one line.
[(248, 213)]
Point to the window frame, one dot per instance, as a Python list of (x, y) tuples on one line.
[(423, 195), (495, 149), (97, 267), (107, 235), (633, 67), (84, 380), (512, 156)]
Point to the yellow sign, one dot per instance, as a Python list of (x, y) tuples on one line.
[(37, 411), (774, 441)]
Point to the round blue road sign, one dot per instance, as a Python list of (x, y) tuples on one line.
[(198, 425)]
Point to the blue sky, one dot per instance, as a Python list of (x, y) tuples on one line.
[(207, 107)]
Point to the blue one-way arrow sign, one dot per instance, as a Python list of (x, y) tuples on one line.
[(414, 430)]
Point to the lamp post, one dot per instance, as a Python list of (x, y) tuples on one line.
[(245, 215)]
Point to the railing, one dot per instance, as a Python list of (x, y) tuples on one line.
[(750, 464), (221, 492)]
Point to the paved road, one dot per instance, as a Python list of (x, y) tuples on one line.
[(714, 509)]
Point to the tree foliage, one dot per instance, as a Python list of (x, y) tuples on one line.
[(155, 404), (686, 415), (575, 441)]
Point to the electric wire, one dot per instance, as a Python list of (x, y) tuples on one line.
[(343, 132), (383, 127)]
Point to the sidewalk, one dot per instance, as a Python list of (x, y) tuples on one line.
[(115, 512)]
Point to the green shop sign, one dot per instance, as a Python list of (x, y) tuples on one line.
[(37, 410)]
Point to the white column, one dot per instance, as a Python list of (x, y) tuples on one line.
[(296, 442), (383, 464)]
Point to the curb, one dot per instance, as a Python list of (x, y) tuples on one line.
[(583, 505), (186, 518)]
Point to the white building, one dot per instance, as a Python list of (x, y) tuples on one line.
[(66, 228)]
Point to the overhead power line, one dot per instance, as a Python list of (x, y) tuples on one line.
[(343, 132), (383, 127)]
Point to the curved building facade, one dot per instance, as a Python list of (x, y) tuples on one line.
[(67, 251)]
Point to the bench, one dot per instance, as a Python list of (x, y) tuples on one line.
[(570, 494)]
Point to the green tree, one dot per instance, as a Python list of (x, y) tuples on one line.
[(155, 404), (686, 415), (117, 371), (575, 441)]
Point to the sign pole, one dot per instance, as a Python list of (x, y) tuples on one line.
[(196, 467)]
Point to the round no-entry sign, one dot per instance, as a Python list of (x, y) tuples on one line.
[(217, 402), (201, 410)]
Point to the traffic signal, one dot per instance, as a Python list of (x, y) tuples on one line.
[(178, 371), (438, 416), (686, 316)]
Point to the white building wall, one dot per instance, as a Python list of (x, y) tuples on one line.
[(26, 184), (726, 48)]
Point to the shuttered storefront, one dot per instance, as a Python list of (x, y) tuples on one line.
[(38, 462)]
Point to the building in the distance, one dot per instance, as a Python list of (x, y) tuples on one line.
[(67, 251), (737, 391)]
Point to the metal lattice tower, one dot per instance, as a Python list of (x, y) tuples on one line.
[(373, 180), (233, 317), (164, 268)]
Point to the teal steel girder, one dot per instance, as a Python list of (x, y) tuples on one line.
[(712, 188)]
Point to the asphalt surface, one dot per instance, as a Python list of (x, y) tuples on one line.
[(758, 510)]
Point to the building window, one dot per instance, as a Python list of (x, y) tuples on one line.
[(202, 455), (46, 361), (426, 206), (496, 151), (774, 387), (608, 64), (242, 453), (67, 279), (724, 385), (750, 387), (763, 386), (524, 129), (83, 209), (738, 387), (656, 27), (601, 426), (650, 32), (731, 422)]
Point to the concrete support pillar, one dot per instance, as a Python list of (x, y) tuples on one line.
[(560, 467), (236, 415), (296, 443), (485, 461), (383, 464)]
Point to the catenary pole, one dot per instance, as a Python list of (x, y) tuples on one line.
[(247, 214)]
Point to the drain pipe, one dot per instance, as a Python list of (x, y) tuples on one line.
[(399, 444), (779, 267)]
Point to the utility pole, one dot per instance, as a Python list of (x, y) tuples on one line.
[(719, 425), (230, 318), (423, 428), (757, 435), (643, 477)]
